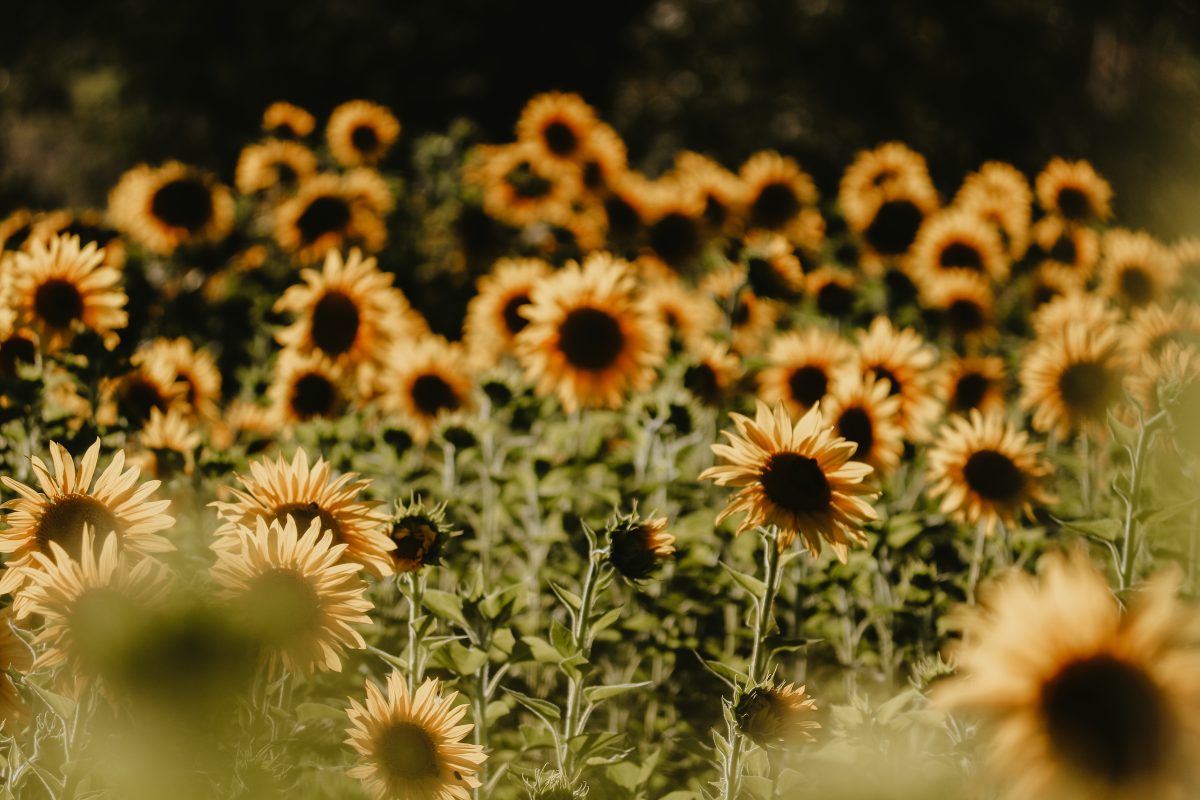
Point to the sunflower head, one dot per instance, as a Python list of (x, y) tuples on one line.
[(558, 125), (426, 380), (887, 221), (272, 164), (777, 190), (308, 386), (1071, 379), (776, 716), (975, 383), (171, 206), (861, 410), (800, 368), (494, 316), (637, 547), (1136, 268), (361, 132), (1074, 191), (772, 268), (287, 121), (419, 532), (711, 373)]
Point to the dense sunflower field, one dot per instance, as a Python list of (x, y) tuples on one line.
[(447, 470)]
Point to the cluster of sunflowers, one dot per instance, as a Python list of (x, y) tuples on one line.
[(930, 397)]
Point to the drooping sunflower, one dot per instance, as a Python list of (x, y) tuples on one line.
[(872, 170), (887, 221), (1000, 195), (1136, 268), (360, 132), (15, 656), (279, 489), (1151, 328), (308, 386), (424, 380), (557, 126), (192, 369), (168, 445), (171, 206), (638, 546), (298, 595), (419, 532), (1074, 191), (1084, 701), (722, 191), (965, 302), (987, 471), (800, 368), (1073, 248), (688, 316), (675, 227), (834, 290), (411, 743), (517, 188), (776, 716), (906, 361), (776, 191), (957, 239), (772, 267), (798, 477), (590, 340), (860, 410), (1071, 380), (494, 314), (975, 382), (273, 163), (749, 317), (68, 500), (711, 372), (330, 212), (287, 121), (56, 287)]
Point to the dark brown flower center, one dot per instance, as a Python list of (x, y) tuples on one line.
[(513, 321), (993, 476), (1073, 203), (364, 139), (335, 323), (834, 299), (313, 395), (796, 483), (591, 339), (1087, 387), (1136, 285), (961, 255), (560, 139), (325, 214), (884, 374), (407, 752), (631, 551), (894, 227), (623, 218), (1064, 250), (304, 514), (137, 397), (766, 280), (701, 381), (58, 302), (675, 237), (16, 349), (432, 394), (965, 316), (715, 211), (185, 203), (775, 204), (969, 391), (63, 520), (281, 606), (414, 537), (808, 384), (855, 425)]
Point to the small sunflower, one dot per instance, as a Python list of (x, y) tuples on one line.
[(776, 191), (360, 132), (277, 490), (722, 191), (419, 532), (15, 656), (494, 314), (273, 163), (906, 361), (637, 547), (1071, 380), (711, 373), (411, 743), (308, 386), (860, 410), (557, 126), (297, 595), (1000, 195), (1136, 269), (797, 477), (975, 383), (957, 239), (776, 716), (1084, 701), (171, 206), (965, 302), (589, 339), (688, 316), (517, 188), (750, 317), (193, 371), (872, 170), (800, 368), (1073, 248), (247, 423), (1074, 191), (834, 290), (287, 121), (168, 444), (331, 212), (1152, 328), (68, 501), (772, 267), (424, 380), (986, 471)]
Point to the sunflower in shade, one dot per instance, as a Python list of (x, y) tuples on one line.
[(1074, 191), (688, 316), (296, 594), (425, 379), (15, 229), (956, 239), (171, 206), (772, 267), (834, 290), (873, 170), (517, 188), (711, 372), (750, 317), (68, 500), (721, 190), (1136, 268), (411, 743), (860, 410), (1060, 313), (965, 301), (494, 314), (419, 532), (797, 477), (675, 228), (1070, 381), (557, 126), (776, 716), (887, 221), (776, 190), (1151, 328), (603, 160), (906, 361), (1074, 248), (273, 163), (590, 340), (800, 368), (59, 287), (1084, 700), (148, 386), (308, 386), (360, 132), (287, 121), (277, 490), (193, 370), (637, 547), (626, 206), (1000, 195), (168, 444), (1050, 282), (975, 382), (331, 212)]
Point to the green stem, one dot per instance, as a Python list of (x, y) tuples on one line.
[(1085, 472), (1137, 462), (976, 561), (416, 589), (480, 711), (580, 630)]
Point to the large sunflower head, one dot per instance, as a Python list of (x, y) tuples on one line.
[(1136, 268), (797, 477), (957, 239), (1074, 191), (426, 379), (308, 386), (1072, 379), (975, 382), (776, 191), (411, 743), (590, 340), (494, 314), (296, 594), (331, 212), (287, 121), (171, 206), (273, 163), (1084, 701), (860, 410), (558, 126), (800, 368), (57, 288), (906, 362), (360, 132), (68, 500), (1000, 195)]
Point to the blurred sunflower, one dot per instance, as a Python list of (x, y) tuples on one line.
[(308, 386), (1187, 253), (860, 410), (168, 445), (626, 206), (986, 471), (1060, 313), (425, 379), (957, 239), (273, 163), (975, 383), (558, 127), (1136, 268), (15, 657), (193, 370), (360, 132), (1049, 282), (58, 287), (637, 547), (1000, 195), (1074, 191), (90, 226), (711, 372), (297, 595), (834, 291), (589, 338), (798, 477), (675, 228), (171, 206), (15, 230), (688, 316), (800, 368), (494, 314), (965, 302), (1085, 701), (750, 317), (1153, 327), (772, 268), (1172, 383), (776, 191), (887, 222), (411, 744), (1074, 248), (287, 121), (604, 157), (247, 423), (132, 396), (721, 190), (68, 501), (872, 170), (1071, 380), (906, 361), (776, 716), (517, 189), (331, 212), (278, 490)]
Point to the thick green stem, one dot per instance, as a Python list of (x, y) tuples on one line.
[(572, 719), (1129, 542), (416, 588)]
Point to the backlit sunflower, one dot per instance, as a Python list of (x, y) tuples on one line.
[(330, 212), (675, 228), (776, 191), (1074, 191), (906, 361), (986, 471), (722, 191), (800, 368), (860, 410), (1084, 701), (168, 445), (192, 369), (276, 490), (360, 132), (59, 287), (171, 206), (287, 121), (957, 239), (637, 547), (297, 595), (1074, 248), (711, 373), (89, 226), (424, 380), (517, 188), (15, 656), (589, 339), (833, 290), (975, 382), (68, 500), (688, 316), (887, 221), (798, 477), (1000, 195), (411, 744), (557, 126), (1152, 328), (772, 267), (15, 229), (308, 386), (1071, 380), (749, 317), (273, 163), (776, 716), (965, 302), (1136, 269), (494, 314)]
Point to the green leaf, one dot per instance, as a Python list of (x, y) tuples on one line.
[(606, 619), (544, 709), (784, 644), (1104, 528), (886, 712), (732, 677), (446, 605), (748, 582), (562, 639), (64, 707), (463, 660), (598, 694), (542, 650), (311, 711), (567, 597)]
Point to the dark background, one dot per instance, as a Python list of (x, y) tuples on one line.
[(88, 90)]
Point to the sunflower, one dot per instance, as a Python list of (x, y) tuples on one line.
[(1085, 701), (872, 170), (776, 191), (1061, 312), (833, 290), (776, 716), (419, 532), (627, 205), (287, 121), (1074, 248), (1000, 195), (246, 423), (171, 206), (722, 191), (360, 132), (149, 385), (168, 445), (797, 477), (297, 594), (965, 301), (860, 410), (68, 501), (1072, 379), (772, 267), (424, 380), (494, 314), (975, 382), (193, 371), (411, 743), (589, 338), (906, 361), (517, 188), (308, 386), (15, 229), (89, 226), (675, 228), (800, 368), (557, 126), (273, 163), (957, 239), (711, 372), (1172, 382), (986, 471), (887, 221), (1074, 191), (637, 547), (688, 316), (1153, 327), (331, 212), (603, 159), (15, 656), (750, 317), (1136, 268), (1050, 282), (58, 287)]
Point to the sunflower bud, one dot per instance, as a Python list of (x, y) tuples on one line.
[(774, 716), (419, 533), (636, 546)]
